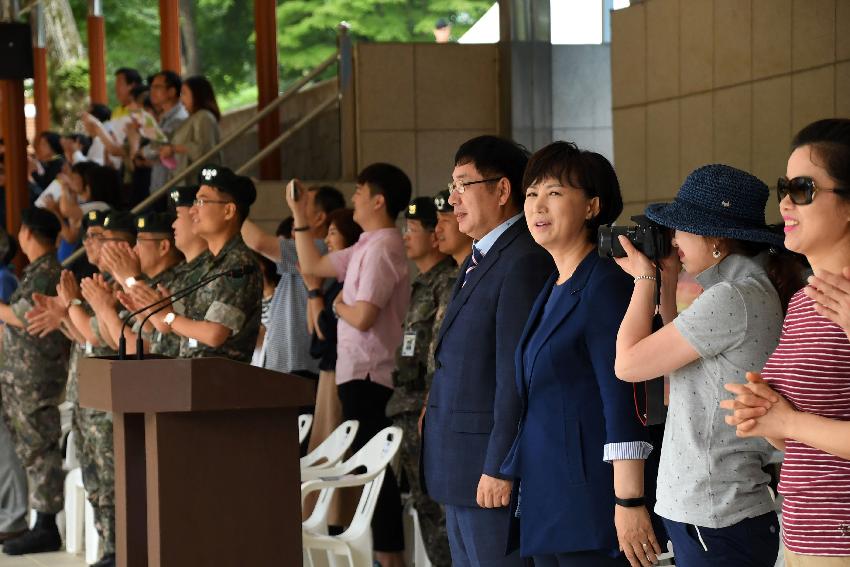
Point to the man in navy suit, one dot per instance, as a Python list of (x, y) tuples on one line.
[(473, 407)]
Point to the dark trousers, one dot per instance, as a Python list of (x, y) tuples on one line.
[(753, 542), (579, 559), (366, 402), (478, 537)]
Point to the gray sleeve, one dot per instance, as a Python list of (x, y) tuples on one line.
[(715, 322)]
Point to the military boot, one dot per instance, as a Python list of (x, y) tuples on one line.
[(43, 537), (107, 560)]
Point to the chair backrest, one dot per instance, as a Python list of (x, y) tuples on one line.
[(305, 420), (332, 450), (377, 452)]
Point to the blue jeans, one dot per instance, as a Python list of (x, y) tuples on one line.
[(753, 542)]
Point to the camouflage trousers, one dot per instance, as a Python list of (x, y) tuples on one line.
[(29, 407), (432, 517), (93, 430)]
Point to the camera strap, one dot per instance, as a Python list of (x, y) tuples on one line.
[(649, 395)]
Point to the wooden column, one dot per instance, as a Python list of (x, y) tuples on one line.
[(169, 36), (39, 55), (97, 53), (265, 22), (13, 128)]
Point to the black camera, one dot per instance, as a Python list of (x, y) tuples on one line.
[(649, 237)]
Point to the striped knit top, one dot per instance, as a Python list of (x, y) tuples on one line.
[(811, 368)]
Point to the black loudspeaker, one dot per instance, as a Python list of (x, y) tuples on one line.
[(15, 51)]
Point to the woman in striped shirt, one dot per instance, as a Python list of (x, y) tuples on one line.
[(801, 402)]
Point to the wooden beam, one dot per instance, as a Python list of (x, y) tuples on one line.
[(13, 128), (97, 59), (265, 22), (169, 36)]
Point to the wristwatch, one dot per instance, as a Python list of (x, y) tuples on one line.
[(314, 293), (131, 281), (169, 318), (76, 301), (629, 502), (333, 310)]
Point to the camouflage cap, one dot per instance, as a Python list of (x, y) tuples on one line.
[(441, 201), (423, 210)]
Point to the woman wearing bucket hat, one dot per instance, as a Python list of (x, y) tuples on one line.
[(801, 402), (712, 491)]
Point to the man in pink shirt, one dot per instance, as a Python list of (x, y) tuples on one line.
[(370, 312)]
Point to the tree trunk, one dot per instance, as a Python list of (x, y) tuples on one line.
[(191, 52), (63, 37)]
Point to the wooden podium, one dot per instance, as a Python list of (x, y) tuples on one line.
[(206, 460)]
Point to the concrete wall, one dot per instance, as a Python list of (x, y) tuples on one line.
[(581, 97), (729, 81), (416, 103)]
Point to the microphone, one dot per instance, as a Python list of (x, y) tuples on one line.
[(165, 301)]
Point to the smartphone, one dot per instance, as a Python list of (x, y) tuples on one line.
[(294, 190)]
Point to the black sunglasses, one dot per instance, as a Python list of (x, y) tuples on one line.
[(802, 190)]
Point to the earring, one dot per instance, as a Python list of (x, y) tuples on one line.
[(716, 253)]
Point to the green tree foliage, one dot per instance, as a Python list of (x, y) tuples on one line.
[(307, 28)]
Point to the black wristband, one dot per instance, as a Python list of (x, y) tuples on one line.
[(300, 228), (629, 502), (314, 293)]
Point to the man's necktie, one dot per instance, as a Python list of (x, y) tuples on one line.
[(477, 256)]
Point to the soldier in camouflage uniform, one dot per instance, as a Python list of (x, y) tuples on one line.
[(223, 317), (93, 428), (452, 242), (32, 383), (411, 377)]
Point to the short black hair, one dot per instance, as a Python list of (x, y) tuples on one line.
[(391, 182), (494, 156), (131, 76), (172, 80), (139, 90), (284, 229), (589, 171), (268, 268), (328, 198), (53, 140), (100, 111), (82, 168), (104, 183), (11, 251), (830, 139)]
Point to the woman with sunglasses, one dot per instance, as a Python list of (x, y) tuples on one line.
[(712, 491), (801, 402)]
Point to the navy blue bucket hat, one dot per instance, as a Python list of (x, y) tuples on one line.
[(719, 201)]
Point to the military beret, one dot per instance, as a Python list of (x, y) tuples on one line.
[(154, 222), (423, 210), (41, 221), (94, 218), (441, 201), (120, 221), (239, 187), (183, 196)]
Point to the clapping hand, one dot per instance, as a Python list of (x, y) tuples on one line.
[(757, 410), (121, 260), (97, 292), (68, 289), (831, 293), (46, 316)]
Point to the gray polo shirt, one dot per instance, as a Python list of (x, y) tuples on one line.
[(708, 476)]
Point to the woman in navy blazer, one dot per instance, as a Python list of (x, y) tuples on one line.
[(579, 443)]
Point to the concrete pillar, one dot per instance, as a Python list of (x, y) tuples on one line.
[(169, 36), (265, 22), (39, 55), (97, 53), (526, 78)]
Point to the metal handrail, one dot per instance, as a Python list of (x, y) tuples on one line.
[(268, 109)]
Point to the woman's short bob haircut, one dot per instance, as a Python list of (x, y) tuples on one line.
[(581, 169)]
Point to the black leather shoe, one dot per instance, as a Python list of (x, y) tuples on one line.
[(107, 560), (40, 539)]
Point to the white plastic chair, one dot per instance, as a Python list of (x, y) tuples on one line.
[(305, 420), (79, 519), (415, 554), (71, 462), (331, 450), (366, 468)]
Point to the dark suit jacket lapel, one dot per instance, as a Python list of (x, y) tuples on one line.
[(565, 303), (462, 294)]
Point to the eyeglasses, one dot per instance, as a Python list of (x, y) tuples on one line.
[(802, 190), (460, 186), (202, 202), (149, 239), (92, 237), (417, 230)]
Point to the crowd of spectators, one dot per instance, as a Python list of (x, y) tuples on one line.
[(492, 329)]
